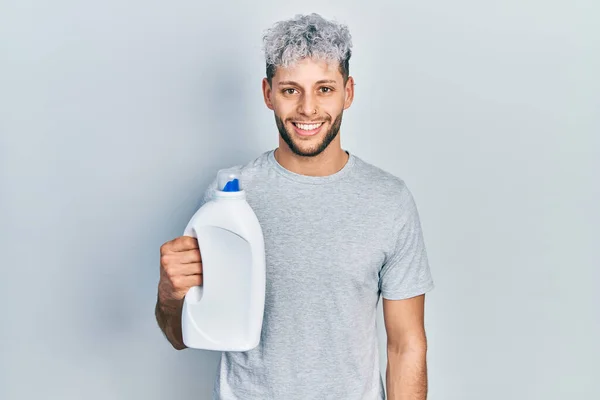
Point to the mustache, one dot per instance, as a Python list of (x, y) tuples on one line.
[(301, 121)]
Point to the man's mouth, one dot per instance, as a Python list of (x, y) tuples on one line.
[(305, 129)]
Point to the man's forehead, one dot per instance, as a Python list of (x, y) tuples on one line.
[(309, 69)]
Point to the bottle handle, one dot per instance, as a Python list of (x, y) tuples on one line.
[(194, 293)]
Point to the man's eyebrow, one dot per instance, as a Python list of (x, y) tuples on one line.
[(322, 81)]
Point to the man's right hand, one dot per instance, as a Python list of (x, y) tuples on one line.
[(180, 268)]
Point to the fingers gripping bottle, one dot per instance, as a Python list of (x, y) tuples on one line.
[(226, 312)]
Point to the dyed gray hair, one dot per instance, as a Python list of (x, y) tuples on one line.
[(289, 41)]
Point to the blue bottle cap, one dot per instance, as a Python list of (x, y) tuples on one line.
[(232, 186), (229, 180)]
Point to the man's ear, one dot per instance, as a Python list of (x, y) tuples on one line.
[(349, 91), (266, 88)]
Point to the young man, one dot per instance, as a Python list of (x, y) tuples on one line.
[(339, 233)]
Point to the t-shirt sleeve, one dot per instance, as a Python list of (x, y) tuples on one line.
[(406, 271)]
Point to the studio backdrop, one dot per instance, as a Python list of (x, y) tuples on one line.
[(114, 116)]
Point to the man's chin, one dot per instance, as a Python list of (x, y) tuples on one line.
[(311, 145), (301, 149)]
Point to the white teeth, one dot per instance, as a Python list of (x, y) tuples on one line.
[(308, 127)]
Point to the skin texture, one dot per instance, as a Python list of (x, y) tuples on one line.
[(180, 269), (406, 374), (310, 91)]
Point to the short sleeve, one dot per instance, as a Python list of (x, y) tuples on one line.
[(406, 271)]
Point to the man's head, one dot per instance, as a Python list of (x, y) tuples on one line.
[(308, 85)]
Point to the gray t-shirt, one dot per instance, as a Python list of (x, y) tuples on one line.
[(333, 245)]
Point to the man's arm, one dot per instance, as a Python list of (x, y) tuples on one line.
[(406, 374), (180, 269), (169, 321)]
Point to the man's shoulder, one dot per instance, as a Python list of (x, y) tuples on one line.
[(257, 164), (248, 171), (252, 167), (386, 189), (377, 179)]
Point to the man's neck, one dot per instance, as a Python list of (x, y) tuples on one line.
[(330, 161)]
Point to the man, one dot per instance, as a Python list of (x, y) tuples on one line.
[(339, 233)]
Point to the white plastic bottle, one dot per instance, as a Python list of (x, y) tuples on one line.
[(226, 312)]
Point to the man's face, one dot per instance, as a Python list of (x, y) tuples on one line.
[(308, 100)]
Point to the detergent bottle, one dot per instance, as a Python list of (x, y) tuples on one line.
[(226, 312)]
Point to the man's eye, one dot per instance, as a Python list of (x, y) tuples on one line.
[(326, 89), (289, 91)]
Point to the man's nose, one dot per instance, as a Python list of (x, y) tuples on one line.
[(307, 105)]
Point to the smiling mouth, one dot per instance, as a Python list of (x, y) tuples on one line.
[(307, 130), (307, 127)]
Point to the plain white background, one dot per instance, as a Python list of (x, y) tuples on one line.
[(115, 115)]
